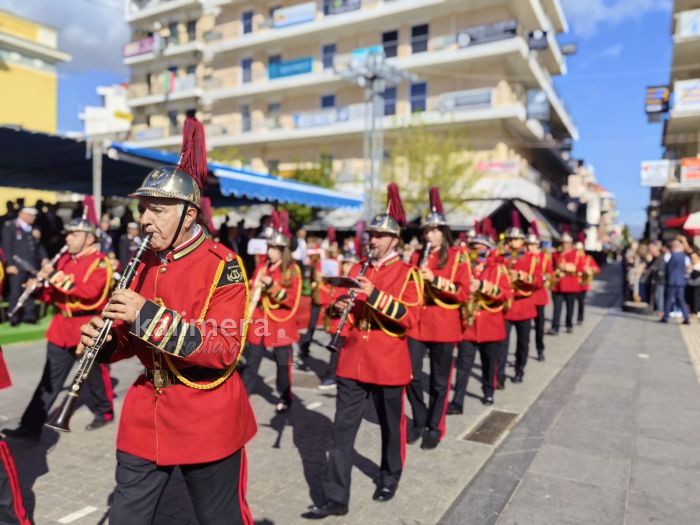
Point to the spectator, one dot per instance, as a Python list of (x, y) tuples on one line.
[(129, 243), (657, 270), (693, 290), (677, 266), (299, 254)]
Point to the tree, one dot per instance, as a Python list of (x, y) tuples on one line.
[(422, 157), (321, 175)]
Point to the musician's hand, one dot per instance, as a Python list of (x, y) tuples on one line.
[(474, 285), (88, 334), (45, 271), (514, 275), (341, 304), (31, 283), (427, 274), (124, 305), (266, 280), (12, 270), (366, 286)]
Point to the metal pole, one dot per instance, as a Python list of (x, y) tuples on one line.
[(367, 153), (97, 177)]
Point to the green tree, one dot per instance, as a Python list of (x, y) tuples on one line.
[(320, 175)]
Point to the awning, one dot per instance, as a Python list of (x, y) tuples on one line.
[(546, 230), (689, 223), (254, 186), (462, 216), (676, 222)]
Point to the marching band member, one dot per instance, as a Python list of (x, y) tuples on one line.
[(568, 266), (590, 270), (276, 293), (525, 277), (483, 321), (446, 276), (374, 362), (540, 296), (314, 253)]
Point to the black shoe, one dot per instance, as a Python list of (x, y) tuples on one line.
[(21, 433), (662, 320), (430, 440), (414, 435), (384, 493), (579, 322), (329, 508), (454, 408), (552, 332), (569, 329), (98, 422), (282, 407), (487, 400), (518, 378), (686, 321), (501, 386), (540, 357)]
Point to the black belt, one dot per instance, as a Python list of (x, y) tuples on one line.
[(165, 377), (68, 315)]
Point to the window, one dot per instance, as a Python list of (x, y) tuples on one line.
[(172, 118), (191, 70), (148, 120), (272, 10), (246, 70), (273, 167), (419, 95), (390, 41), (247, 22), (419, 38), (390, 101), (328, 56), (274, 110), (245, 118), (149, 82), (274, 59), (174, 35), (192, 30), (328, 101)]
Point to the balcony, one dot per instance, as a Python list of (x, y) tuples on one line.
[(179, 89), (681, 131), (137, 10), (686, 39), (154, 47)]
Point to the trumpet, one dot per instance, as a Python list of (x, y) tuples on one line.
[(59, 419)]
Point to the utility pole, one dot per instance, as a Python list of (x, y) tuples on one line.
[(369, 70)]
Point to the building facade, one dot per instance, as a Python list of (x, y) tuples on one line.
[(29, 55), (267, 79)]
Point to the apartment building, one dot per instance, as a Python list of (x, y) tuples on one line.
[(266, 78), (29, 55)]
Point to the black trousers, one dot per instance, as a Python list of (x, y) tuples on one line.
[(522, 347), (12, 509), (581, 301), (539, 330), (283, 355), (217, 490), (559, 300), (311, 329), (466, 353), (431, 416), (59, 362), (26, 313), (349, 409), (333, 361)]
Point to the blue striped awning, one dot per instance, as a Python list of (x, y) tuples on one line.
[(263, 187)]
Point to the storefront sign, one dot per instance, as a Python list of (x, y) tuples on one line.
[(655, 173), (295, 14), (690, 170), (336, 7), (300, 66), (485, 33), (686, 95), (657, 98), (537, 105), (688, 23), (140, 47)]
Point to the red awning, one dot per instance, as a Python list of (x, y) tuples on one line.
[(676, 222)]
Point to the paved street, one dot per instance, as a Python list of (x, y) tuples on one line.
[(603, 433)]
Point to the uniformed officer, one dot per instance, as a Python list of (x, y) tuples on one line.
[(276, 298), (540, 296), (446, 275), (483, 321), (184, 318), (568, 266), (525, 277), (79, 287), (374, 362)]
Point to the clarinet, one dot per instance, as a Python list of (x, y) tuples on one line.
[(334, 345), (426, 253), (60, 418), (29, 290)]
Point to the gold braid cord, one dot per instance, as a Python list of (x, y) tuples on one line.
[(244, 333)]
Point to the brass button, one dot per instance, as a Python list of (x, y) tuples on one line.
[(162, 269), (159, 301)]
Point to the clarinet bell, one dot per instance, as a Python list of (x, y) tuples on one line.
[(59, 419)]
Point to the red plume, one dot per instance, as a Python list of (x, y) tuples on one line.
[(194, 151), (394, 204), (284, 223), (462, 237), (477, 226), (205, 204), (89, 211), (581, 237), (359, 231), (275, 219), (487, 227), (515, 219), (330, 234), (565, 228), (534, 228), (436, 201)]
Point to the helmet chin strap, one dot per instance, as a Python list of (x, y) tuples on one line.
[(179, 227)]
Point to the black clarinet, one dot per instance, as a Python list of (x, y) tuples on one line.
[(334, 345), (29, 290), (59, 419)]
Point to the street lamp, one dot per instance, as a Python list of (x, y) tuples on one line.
[(369, 70)]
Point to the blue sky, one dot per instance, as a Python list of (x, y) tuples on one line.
[(623, 46)]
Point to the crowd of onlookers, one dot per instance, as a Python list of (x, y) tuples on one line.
[(665, 276)]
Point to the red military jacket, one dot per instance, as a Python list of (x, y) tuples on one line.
[(79, 287), (274, 322), (484, 312), (376, 348), (527, 281), (590, 270), (440, 320), (194, 316), (568, 281), (5, 381), (540, 296)]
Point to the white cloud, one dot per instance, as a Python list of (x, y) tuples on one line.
[(612, 51), (92, 31), (587, 16)]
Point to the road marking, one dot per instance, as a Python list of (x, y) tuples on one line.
[(70, 518), (314, 405), (691, 337), (643, 356)]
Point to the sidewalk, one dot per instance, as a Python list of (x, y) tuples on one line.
[(612, 440)]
